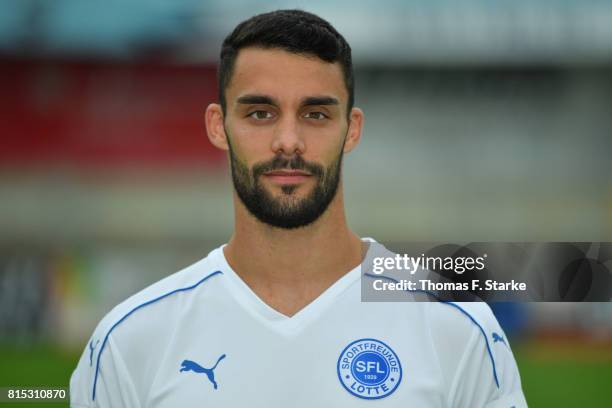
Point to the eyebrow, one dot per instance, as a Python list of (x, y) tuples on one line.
[(320, 100), (256, 100), (266, 100)]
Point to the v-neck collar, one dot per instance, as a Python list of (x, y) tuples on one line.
[(278, 322)]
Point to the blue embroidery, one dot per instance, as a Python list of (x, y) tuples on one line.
[(497, 337), (93, 396), (188, 365), (92, 347), (369, 369)]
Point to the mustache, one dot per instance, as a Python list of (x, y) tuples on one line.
[(296, 162)]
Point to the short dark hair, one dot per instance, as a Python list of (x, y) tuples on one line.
[(294, 31)]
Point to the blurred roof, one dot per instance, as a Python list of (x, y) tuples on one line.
[(390, 32)]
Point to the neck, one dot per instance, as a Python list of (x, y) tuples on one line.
[(288, 269)]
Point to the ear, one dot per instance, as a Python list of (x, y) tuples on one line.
[(353, 135), (214, 126)]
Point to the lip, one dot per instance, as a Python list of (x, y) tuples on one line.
[(287, 176)]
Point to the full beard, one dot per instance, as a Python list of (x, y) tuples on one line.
[(286, 211)]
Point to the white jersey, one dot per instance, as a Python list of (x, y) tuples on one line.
[(201, 337)]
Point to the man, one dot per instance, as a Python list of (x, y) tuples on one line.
[(274, 318)]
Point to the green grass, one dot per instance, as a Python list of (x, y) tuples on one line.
[(35, 366), (551, 377), (566, 383), (565, 374)]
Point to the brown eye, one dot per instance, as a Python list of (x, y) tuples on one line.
[(316, 115), (260, 115)]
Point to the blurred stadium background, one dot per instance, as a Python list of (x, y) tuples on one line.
[(485, 121)]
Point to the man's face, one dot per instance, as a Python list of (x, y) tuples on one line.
[(286, 123)]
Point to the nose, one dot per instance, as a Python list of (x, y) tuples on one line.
[(287, 139)]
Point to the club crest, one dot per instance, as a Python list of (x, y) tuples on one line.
[(369, 369)]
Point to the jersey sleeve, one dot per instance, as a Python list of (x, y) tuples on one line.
[(475, 358), (101, 378)]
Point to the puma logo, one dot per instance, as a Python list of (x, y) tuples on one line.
[(497, 337), (92, 347), (188, 365)]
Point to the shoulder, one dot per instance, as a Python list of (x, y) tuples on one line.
[(463, 317), (464, 326), (116, 341), (474, 354), (188, 281)]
